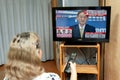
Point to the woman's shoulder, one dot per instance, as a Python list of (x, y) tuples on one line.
[(48, 76)]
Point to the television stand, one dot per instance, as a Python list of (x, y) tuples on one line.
[(81, 68), (79, 43)]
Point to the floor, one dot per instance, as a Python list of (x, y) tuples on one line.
[(50, 66), (1, 72)]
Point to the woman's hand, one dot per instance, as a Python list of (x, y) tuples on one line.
[(73, 71), (73, 67)]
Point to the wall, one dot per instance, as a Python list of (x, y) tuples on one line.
[(112, 49), (80, 2)]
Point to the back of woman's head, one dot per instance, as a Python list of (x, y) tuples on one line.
[(23, 61)]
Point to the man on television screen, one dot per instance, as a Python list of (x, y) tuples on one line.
[(79, 30)]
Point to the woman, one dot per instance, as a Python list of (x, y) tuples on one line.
[(24, 59)]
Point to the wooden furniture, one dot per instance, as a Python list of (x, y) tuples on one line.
[(87, 69)]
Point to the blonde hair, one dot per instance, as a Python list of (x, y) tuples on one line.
[(23, 61)]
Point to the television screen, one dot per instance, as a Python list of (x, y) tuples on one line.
[(82, 24)]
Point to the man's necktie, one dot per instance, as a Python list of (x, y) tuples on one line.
[(81, 31)]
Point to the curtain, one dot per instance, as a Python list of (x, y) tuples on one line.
[(18, 16)]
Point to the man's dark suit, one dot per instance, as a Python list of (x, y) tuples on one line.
[(76, 30)]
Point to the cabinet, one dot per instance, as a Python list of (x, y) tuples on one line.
[(81, 68)]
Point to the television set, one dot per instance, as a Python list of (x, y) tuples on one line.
[(64, 19)]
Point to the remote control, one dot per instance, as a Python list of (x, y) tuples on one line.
[(72, 59)]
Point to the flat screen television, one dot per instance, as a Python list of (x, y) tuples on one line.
[(68, 23)]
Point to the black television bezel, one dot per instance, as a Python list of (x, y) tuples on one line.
[(108, 8)]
